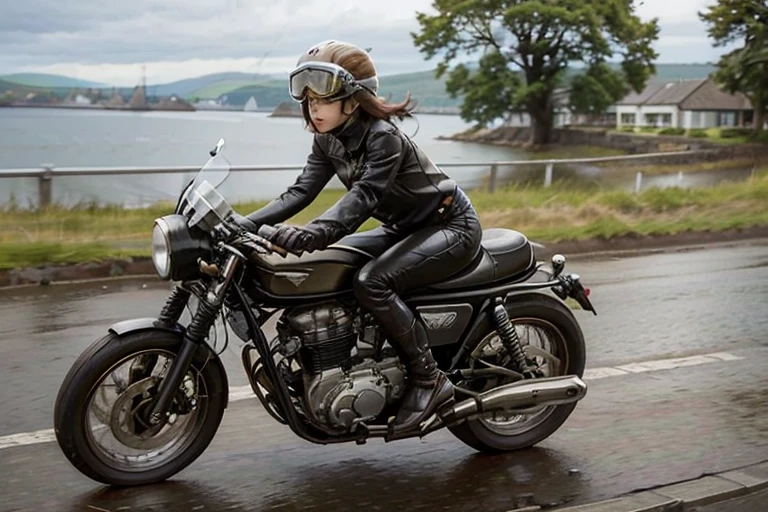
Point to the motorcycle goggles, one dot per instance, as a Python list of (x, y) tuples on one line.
[(327, 80)]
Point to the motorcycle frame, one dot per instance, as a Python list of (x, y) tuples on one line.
[(213, 294)]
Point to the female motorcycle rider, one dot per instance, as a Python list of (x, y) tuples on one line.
[(429, 231)]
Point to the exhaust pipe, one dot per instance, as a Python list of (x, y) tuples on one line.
[(519, 395)]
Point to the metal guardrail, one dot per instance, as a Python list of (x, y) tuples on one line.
[(46, 174)]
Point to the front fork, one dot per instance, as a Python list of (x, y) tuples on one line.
[(195, 334)]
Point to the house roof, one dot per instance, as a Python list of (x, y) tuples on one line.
[(711, 97), (635, 98), (674, 93), (671, 92), (699, 94)]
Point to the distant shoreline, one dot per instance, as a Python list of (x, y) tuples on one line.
[(273, 112), (149, 108)]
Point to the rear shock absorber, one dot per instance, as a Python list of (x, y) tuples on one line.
[(509, 337)]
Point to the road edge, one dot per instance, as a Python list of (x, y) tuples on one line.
[(709, 489)]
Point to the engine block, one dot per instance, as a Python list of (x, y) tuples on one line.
[(338, 399), (323, 334), (338, 390)]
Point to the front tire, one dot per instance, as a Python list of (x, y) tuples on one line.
[(94, 377), (555, 318)]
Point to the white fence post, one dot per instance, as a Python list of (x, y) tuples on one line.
[(638, 182), (492, 178), (45, 186), (548, 174)]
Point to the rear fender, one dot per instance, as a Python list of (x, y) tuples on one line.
[(127, 327)]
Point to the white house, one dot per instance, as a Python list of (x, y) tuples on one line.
[(562, 115), (684, 104)]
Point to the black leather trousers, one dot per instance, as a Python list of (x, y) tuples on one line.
[(407, 261)]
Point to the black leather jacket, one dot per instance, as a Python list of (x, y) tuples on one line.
[(386, 175)]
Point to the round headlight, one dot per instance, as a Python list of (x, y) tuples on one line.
[(161, 249)]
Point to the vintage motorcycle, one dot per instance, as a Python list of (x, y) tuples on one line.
[(144, 401)]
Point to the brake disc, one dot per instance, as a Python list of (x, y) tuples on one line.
[(128, 421)]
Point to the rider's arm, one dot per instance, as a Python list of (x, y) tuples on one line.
[(316, 174), (384, 150)]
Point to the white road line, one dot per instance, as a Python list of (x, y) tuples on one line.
[(660, 364), (244, 392)]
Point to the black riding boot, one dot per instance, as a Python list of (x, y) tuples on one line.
[(427, 388)]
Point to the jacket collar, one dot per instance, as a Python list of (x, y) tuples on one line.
[(352, 133)]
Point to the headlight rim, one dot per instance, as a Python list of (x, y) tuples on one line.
[(165, 230)]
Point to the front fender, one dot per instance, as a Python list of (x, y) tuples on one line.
[(127, 327), (143, 324)]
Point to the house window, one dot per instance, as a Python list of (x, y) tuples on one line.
[(666, 119), (697, 120), (628, 119), (726, 119)]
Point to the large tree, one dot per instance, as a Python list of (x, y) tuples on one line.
[(525, 47), (744, 69)]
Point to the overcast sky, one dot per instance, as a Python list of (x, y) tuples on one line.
[(110, 41)]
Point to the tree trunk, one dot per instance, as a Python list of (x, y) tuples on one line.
[(541, 125), (759, 119)]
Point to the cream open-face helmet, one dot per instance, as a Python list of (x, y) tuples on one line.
[(317, 72)]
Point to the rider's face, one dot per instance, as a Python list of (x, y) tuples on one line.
[(326, 115)]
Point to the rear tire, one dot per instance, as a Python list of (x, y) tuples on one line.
[(475, 432), (71, 412)]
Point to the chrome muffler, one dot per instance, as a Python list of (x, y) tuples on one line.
[(519, 396)]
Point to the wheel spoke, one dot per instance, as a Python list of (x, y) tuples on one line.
[(120, 438), (532, 350), (544, 345)]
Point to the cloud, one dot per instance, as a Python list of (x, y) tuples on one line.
[(109, 41), (94, 38)]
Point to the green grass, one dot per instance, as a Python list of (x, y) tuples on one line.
[(562, 212)]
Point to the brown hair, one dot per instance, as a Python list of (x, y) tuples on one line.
[(361, 66)]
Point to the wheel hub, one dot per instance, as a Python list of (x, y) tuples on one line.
[(129, 419)]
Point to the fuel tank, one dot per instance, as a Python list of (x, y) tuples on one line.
[(327, 271)]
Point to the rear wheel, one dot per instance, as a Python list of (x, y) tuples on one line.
[(102, 406), (553, 340)]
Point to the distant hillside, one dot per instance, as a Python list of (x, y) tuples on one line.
[(48, 81), (20, 88), (217, 89), (270, 91), (683, 71), (423, 86), (187, 87)]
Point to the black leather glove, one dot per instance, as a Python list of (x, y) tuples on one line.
[(243, 222), (294, 239)]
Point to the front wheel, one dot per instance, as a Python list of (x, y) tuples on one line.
[(553, 340), (102, 405)]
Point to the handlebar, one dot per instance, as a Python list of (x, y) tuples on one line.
[(261, 237), (266, 231)]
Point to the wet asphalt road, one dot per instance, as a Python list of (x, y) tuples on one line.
[(633, 431)]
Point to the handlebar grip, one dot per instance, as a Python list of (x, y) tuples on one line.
[(265, 231)]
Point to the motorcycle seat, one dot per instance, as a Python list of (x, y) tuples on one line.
[(504, 253)]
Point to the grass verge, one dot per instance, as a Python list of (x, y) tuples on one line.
[(559, 213)]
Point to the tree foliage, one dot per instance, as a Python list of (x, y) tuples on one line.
[(489, 90), (525, 48), (744, 69), (592, 92)]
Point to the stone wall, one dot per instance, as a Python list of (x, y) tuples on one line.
[(627, 142)]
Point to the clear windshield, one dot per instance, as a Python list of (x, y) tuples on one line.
[(201, 200), (215, 172)]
